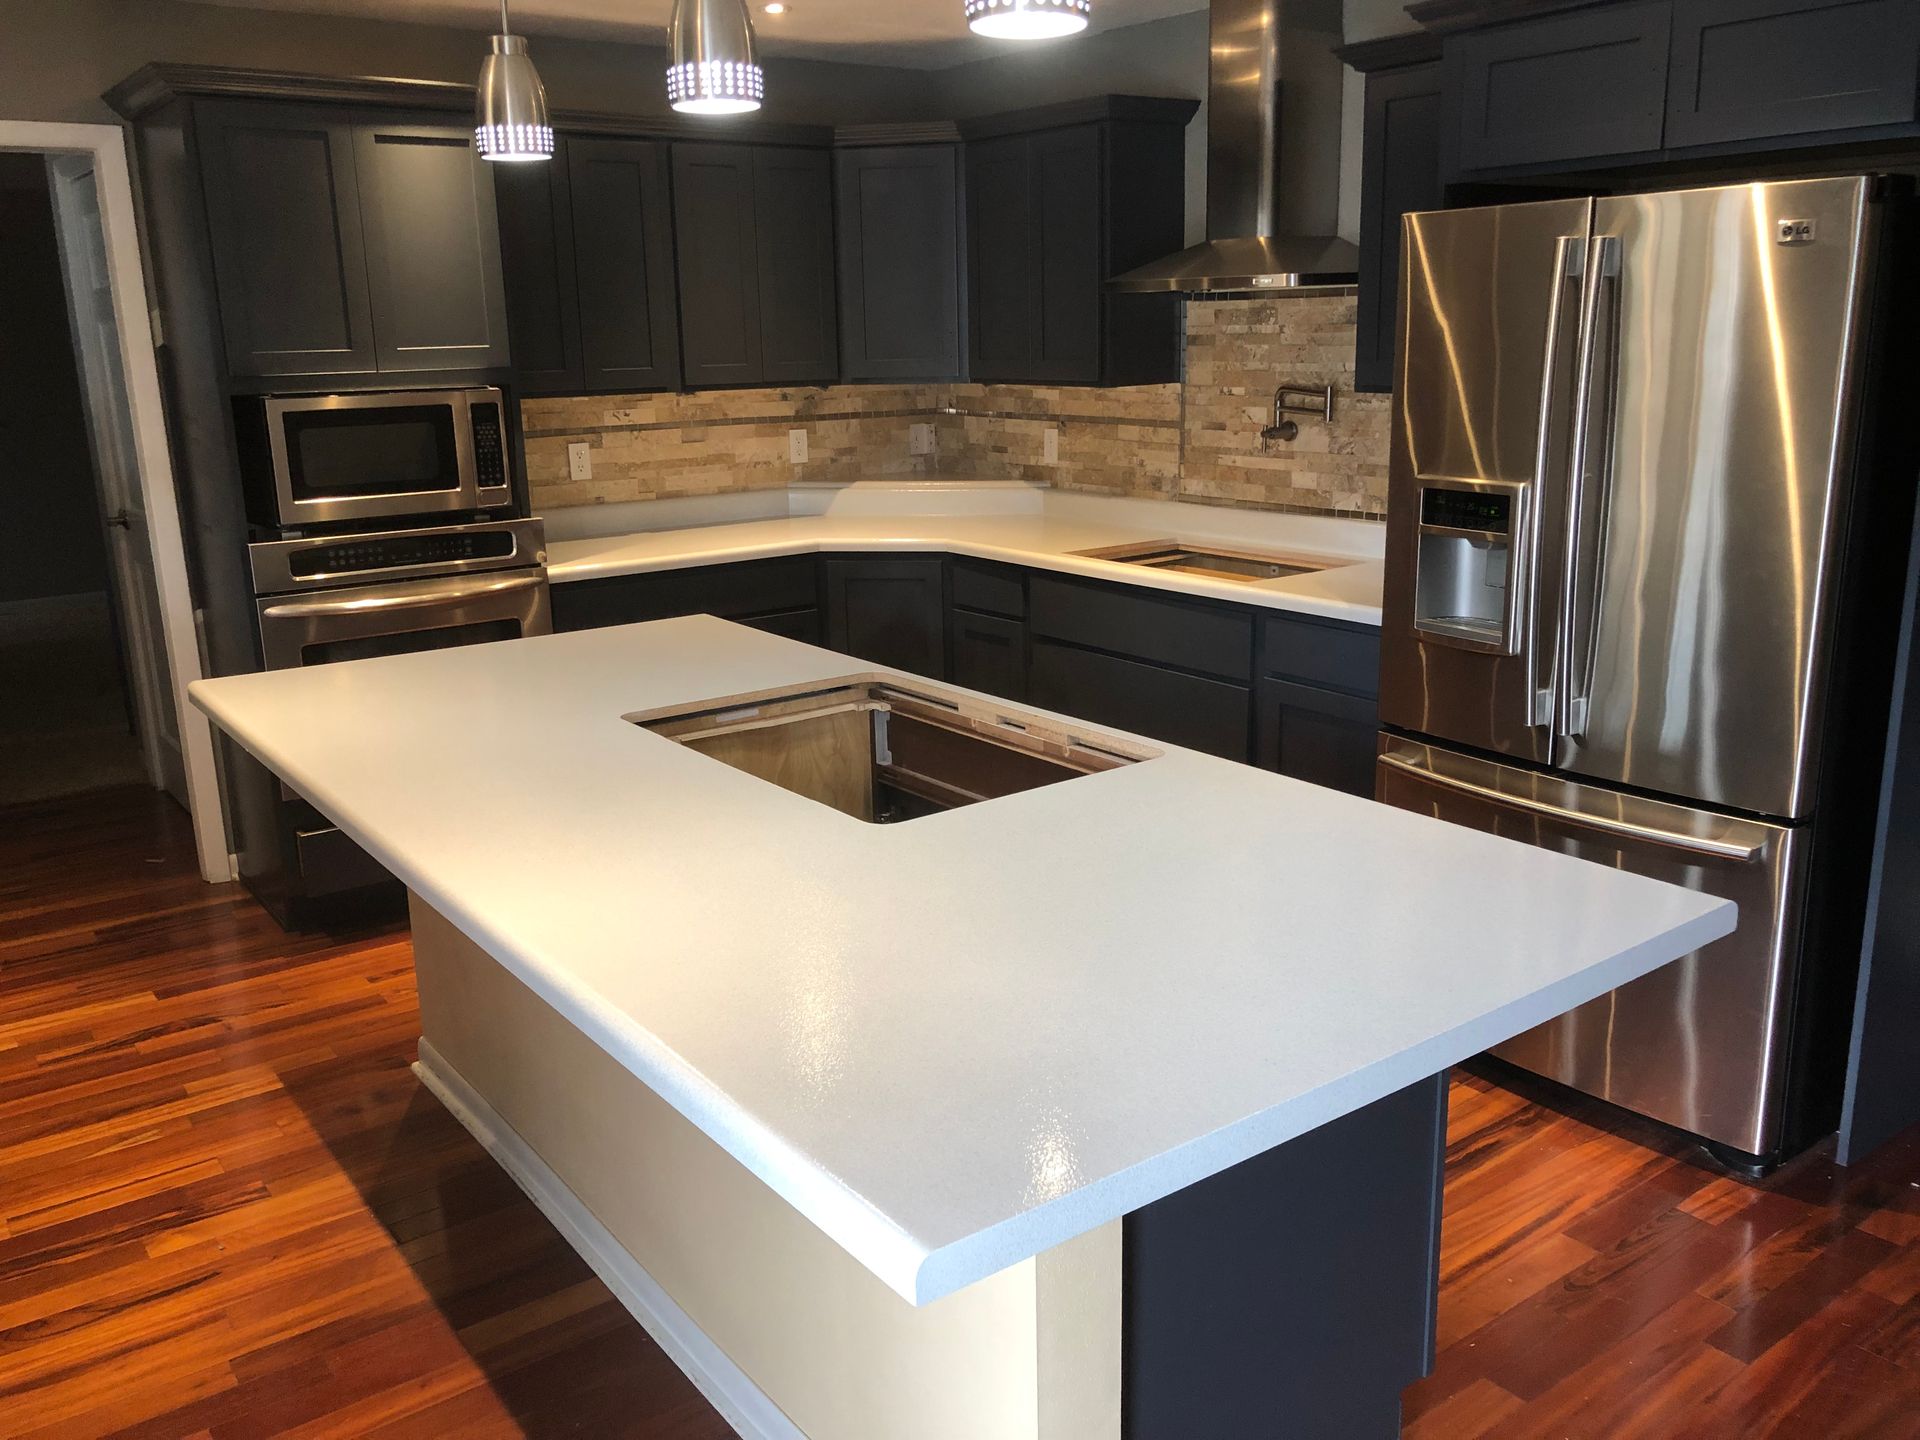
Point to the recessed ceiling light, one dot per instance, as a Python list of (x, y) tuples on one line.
[(776, 8)]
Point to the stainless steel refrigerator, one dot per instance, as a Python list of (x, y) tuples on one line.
[(1631, 525)]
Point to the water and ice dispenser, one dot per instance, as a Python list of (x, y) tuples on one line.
[(1472, 575)]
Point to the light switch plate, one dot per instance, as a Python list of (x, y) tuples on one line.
[(920, 440), (580, 460), (797, 446), (1050, 447)]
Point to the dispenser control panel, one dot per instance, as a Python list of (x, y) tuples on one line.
[(1471, 587)]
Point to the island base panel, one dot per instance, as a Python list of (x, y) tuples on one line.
[(799, 1338), (1294, 1294)]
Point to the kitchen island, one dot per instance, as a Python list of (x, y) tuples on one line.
[(1112, 1104)]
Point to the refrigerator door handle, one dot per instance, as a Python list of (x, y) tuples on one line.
[(1591, 478), (1647, 834), (1569, 272)]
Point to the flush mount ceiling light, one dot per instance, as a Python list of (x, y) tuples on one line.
[(1028, 19), (713, 70), (510, 120)]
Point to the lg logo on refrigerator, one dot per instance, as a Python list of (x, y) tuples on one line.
[(1794, 232)]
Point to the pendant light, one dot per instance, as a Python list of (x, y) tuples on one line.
[(713, 71), (510, 121), (1028, 19)]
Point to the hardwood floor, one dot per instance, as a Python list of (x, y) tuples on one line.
[(228, 1210)]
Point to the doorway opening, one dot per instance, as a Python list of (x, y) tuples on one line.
[(84, 687)]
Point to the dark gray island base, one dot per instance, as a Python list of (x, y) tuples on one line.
[(1295, 1294)]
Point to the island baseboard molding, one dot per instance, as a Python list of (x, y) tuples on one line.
[(783, 1331)]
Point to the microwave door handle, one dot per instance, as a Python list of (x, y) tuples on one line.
[(466, 457), (413, 598), (1591, 476), (1545, 809), (1569, 269)]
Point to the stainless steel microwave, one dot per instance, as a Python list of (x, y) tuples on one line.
[(322, 459)]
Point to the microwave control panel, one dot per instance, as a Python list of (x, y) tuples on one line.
[(489, 448)]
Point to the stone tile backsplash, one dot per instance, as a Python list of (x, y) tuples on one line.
[(1197, 441)]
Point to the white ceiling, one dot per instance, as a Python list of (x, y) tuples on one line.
[(927, 33)]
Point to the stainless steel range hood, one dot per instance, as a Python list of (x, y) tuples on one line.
[(1273, 158)]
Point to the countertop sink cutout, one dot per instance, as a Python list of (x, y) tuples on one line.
[(1215, 561), (884, 753)]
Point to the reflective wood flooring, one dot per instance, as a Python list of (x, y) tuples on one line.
[(228, 1210)]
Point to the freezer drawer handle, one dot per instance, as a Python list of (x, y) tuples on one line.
[(1722, 849)]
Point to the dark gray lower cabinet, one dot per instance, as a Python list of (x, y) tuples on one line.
[(781, 596), (890, 611), (1161, 704), (1322, 736), (988, 653)]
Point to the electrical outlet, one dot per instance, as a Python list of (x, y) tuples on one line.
[(920, 440), (580, 460), (1050, 447), (797, 446)]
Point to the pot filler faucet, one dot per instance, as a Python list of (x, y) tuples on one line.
[(1300, 400)]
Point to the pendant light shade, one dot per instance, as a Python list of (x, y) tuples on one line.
[(1028, 19), (714, 71), (510, 120)]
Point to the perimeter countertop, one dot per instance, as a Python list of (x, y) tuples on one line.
[(1018, 525), (956, 1042)]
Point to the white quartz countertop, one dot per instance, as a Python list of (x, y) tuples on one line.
[(956, 1042), (1041, 538)]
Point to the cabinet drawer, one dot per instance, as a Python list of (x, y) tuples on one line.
[(989, 653), (1575, 86), (994, 589), (1167, 632), (733, 592), (1160, 704), (1312, 653), (1757, 69)]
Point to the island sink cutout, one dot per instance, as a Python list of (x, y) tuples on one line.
[(885, 753)]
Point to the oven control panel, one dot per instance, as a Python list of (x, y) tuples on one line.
[(280, 566)]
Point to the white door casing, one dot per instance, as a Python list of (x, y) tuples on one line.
[(112, 279)]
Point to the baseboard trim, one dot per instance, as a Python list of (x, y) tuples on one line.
[(741, 1403)]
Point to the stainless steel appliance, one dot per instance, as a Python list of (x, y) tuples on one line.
[(325, 598), (318, 460), (1632, 520)]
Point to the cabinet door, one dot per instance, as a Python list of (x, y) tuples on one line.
[(537, 260), (289, 253), (899, 245), (1161, 704), (433, 248), (1322, 736), (718, 261), (801, 625), (623, 243), (1399, 172), (799, 316), (1072, 255), (1757, 69), (1002, 289), (1582, 85), (989, 653), (889, 612)]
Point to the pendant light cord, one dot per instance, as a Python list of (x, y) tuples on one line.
[(506, 25)]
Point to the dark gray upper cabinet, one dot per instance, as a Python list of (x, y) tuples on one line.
[(754, 233), (899, 244), (799, 323), (289, 251), (623, 261), (433, 248), (1580, 85), (1058, 202), (348, 245), (1399, 172), (1761, 69), (543, 296)]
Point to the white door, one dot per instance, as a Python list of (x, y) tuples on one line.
[(96, 334)]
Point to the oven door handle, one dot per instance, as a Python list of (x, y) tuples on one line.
[(413, 598)]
